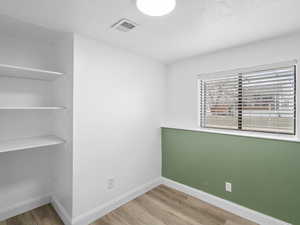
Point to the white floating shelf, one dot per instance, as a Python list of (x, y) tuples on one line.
[(28, 73), (29, 143), (31, 108)]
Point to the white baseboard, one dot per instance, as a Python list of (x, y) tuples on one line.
[(61, 211), (234, 208), (104, 209), (23, 207)]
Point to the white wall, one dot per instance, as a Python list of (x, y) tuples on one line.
[(62, 161), (182, 85), (118, 104)]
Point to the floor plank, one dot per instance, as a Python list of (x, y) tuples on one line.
[(160, 206), (44, 215)]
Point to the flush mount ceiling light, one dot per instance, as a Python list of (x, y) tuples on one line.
[(156, 7)]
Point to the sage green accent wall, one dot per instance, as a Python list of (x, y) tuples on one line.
[(265, 174)]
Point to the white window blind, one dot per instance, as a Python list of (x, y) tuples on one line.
[(262, 101)]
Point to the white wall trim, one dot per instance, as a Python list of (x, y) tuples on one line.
[(234, 208), (279, 137), (61, 211), (104, 209), (25, 206)]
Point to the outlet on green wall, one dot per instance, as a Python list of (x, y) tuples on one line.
[(265, 174)]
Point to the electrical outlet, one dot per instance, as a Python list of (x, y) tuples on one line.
[(228, 187), (110, 183)]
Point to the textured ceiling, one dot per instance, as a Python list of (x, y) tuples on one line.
[(195, 27)]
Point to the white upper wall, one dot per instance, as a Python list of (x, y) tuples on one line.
[(182, 108), (118, 107)]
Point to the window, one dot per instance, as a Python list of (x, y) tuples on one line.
[(262, 100)]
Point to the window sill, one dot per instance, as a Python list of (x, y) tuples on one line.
[(280, 137)]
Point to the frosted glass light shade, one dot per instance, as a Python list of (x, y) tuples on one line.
[(156, 7)]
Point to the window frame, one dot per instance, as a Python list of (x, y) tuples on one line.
[(236, 72)]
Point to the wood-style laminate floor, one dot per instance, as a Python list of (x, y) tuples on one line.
[(44, 215), (160, 206)]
